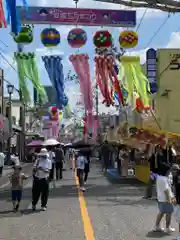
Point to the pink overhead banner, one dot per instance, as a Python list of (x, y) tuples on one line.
[(80, 16)]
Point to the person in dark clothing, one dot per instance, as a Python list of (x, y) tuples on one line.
[(177, 189), (87, 164), (59, 159), (155, 161), (105, 155)]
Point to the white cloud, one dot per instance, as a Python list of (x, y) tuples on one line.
[(174, 41)]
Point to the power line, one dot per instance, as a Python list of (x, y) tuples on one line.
[(141, 20), (155, 34)]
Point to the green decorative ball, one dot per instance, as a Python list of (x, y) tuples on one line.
[(25, 36)]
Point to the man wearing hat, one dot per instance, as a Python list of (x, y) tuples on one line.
[(41, 171)]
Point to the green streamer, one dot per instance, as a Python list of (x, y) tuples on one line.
[(30, 71), (67, 111), (137, 83), (22, 82)]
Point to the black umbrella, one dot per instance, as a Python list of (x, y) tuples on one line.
[(81, 144)]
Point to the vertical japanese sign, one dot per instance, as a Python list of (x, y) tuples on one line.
[(151, 69)]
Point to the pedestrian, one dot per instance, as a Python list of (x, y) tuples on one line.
[(87, 165), (59, 159), (16, 180), (2, 158), (105, 156), (79, 164), (176, 182), (52, 159), (155, 160), (41, 172), (165, 198)]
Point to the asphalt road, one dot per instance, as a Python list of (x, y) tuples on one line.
[(105, 212)]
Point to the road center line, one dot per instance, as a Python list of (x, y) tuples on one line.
[(88, 229)]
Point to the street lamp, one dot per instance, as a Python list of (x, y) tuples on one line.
[(10, 90)]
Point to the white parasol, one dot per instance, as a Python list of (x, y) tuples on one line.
[(50, 142)]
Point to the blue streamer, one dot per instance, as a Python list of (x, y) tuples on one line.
[(54, 69), (13, 15)]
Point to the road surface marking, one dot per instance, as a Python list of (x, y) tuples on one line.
[(88, 229)]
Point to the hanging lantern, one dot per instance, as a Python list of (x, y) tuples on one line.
[(102, 39), (50, 37), (77, 38), (128, 39), (25, 36)]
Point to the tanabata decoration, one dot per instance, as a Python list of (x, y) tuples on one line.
[(106, 76), (54, 113), (27, 70), (54, 68), (50, 37), (128, 39), (102, 39), (25, 36), (136, 83), (81, 66), (12, 15), (77, 38), (2, 16)]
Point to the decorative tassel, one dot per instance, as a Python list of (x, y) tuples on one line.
[(2, 17)]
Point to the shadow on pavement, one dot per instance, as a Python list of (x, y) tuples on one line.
[(107, 194), (12, 214), (153, 234)]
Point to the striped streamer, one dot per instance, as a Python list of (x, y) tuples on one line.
[(54, 68)]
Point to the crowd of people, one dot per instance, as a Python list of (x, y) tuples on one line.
[(48, 167)]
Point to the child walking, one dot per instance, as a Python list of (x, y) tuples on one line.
[(16, 180)]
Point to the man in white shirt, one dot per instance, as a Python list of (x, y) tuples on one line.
[(2, 157), (165, 198), (80, 164), (41, 171)]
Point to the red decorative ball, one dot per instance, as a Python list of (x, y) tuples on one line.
[(102, 39), (54, 109)]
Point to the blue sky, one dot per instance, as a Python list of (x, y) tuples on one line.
[(167, 37)]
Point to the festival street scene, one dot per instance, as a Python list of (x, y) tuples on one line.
[(89, 120)]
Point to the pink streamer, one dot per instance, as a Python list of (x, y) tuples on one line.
[(80, 63)]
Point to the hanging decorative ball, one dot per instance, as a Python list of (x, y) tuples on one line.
[(77, 38), (50, 37), (102, 39), (25, 36), (128, 39), (54, 113)]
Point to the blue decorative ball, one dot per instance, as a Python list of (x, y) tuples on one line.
[(50, 37), (77, 38)]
